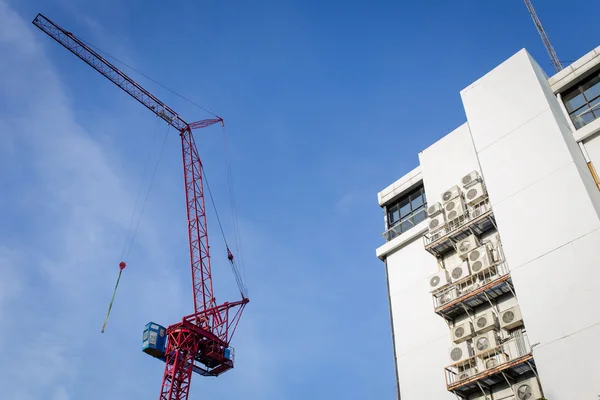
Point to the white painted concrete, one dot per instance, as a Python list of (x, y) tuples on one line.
[(547, 209), (445, 162)]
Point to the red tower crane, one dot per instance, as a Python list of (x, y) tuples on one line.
[(200, 341)]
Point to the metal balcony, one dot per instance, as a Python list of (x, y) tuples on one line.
[(504, 363), (477, 220), (465, 295)]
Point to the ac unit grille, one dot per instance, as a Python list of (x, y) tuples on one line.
[(452, 215), (434, 223), (483, 344), (463, 376), (474, 256), (447, 195), (445, 298), (508, 317), (524, 392), (491, 363), (471, 194), (464, 246), (450, 206), (456, 354), (466, 180), (431, 210), (457, 273), (477, 266), (482, 322), (459, 332), (434, 281)]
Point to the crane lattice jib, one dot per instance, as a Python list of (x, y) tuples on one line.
[(198, 236)]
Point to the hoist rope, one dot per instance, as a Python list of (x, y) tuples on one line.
[(135, 231), (141, 186), (232, 202), (234, 266)]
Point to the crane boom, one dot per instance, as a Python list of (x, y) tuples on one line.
[(544, 36), (200, 342)]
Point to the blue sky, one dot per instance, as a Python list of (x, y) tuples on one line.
[(325, 104)]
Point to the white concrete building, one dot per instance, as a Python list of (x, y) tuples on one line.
[(495, 291)]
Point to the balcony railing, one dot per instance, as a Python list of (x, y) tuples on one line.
[(405, 225), (462, 288), (472, 213), (511, 354)]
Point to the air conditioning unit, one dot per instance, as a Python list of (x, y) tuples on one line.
[(465, 246), (437, 222), (485, 322), (448, 295), (460, 272), (475, 194), (511, 318), (454, 208), (470, 179), (450, 194), (493, 362), (434, 210), (466, 374), (460, 352), (486, 342), (462, 331), (528, 390), (480, 259), (438, 281)]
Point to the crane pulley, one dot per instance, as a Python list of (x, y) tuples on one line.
[(201, 341)]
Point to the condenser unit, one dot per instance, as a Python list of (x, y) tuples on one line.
[(447, 296), (486, 342), (462, 331), (460, 272), (450, 194), (485, 322), (460, 352), (475, 194), (480, 259), (470, 179), (466, 245), (494, 361), (511, 318), (528, 390), (436, 223), (466, 374), (434, 209), (454, 208), (438, 281)]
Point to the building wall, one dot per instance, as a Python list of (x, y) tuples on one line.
[(547, 208), (420, 336), (545, 211)]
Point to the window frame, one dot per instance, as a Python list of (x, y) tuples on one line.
[(590, 106), (405, 222)]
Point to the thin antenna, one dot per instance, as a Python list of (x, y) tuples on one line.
[(544, 36)]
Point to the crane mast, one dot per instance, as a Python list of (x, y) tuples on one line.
[(200, 342), (544, 36)]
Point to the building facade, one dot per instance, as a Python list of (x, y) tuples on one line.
[(491, 243)]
